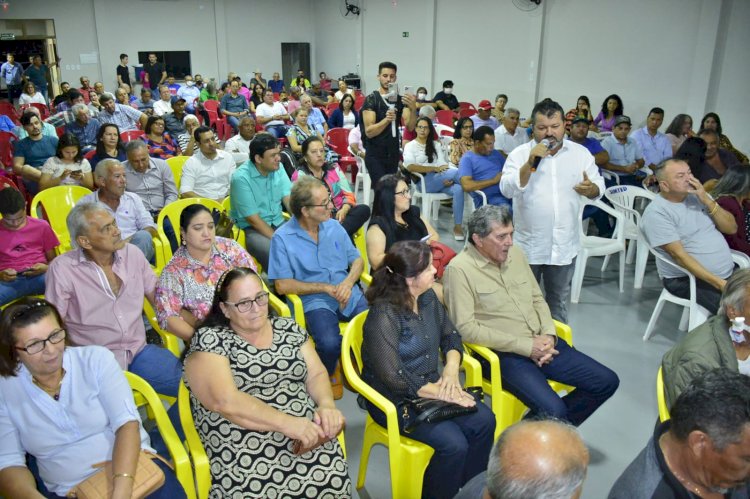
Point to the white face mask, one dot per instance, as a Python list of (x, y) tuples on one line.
[(447, 90), (421, 96), (189, 83)]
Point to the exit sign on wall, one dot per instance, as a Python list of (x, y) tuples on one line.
[(405, 34), (10, 36)]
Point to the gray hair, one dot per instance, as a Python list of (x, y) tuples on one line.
[(106, 97), (133, 145), (427, 112), (735, 292), (481, 221), (78, 219), (103, 166), (504, 482), (512, 110), (660, 169), (78, 108), (189, 117), (301, 195)]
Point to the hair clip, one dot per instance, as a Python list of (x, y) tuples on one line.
[(28, 308), (222, 277), (389, 269)]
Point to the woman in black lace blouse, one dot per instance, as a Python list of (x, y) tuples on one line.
[(406, 330)]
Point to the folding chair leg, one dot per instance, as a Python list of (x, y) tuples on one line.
[(654, 316)]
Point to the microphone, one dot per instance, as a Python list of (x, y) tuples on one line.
[(548, 143)]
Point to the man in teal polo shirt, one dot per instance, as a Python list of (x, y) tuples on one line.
[(258, 190)]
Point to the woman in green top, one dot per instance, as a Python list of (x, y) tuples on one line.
[(209, 92)]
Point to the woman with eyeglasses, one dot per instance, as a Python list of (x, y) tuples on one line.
[(256, 386), (160, 144), (67, 407), (186, 285), (462, 141), (30, 95), (425, 156), (351, 215), (394, 219)]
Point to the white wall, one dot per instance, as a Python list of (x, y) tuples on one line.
[(338, 40)]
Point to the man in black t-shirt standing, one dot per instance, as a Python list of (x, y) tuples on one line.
[(381, 119), (155, 71), (123, 74)]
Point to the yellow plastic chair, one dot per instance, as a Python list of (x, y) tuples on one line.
[(145, 394), (506, 407), (193, 444), (175, 164), (408, 458), (239, 234), (170, 341), (661, 398), (361, 244), (173, 211), (53, 205)]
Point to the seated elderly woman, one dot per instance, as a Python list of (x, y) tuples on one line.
[(67, 166), (394, 219), (68, 407), (160, 144), (186, 285), (351, 215), (425, 156), (256, 387), (712, 344), (404, 335)]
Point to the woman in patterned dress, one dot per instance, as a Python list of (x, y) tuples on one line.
[(160, 144), (256, 386), (186, 285)]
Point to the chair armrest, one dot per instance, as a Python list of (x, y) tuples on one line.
[(473, 370), (420, 177), (741, 259), (298, 312), (170, 341), (563, 331), (494, 361)]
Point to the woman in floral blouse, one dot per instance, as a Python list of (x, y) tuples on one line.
[(462, 140), (186, 286)]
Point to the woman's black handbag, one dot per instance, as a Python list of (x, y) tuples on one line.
[(427, 410)]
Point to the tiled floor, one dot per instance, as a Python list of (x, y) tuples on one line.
[(608, 325)]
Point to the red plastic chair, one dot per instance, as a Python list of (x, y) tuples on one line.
[(338, 140), (276, 97), (9, 110), (60, 131), (90, 154), (6, 148), (130, 135), (466, 112), (211, 105), (466, 105), (7, 182), (43, 109), (218, 124), (444, 117), (331, 107), (359, 100)]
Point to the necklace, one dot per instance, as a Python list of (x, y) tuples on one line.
[(52, 392), (688, 484)]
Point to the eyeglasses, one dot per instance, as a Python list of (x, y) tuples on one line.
[(422, 127), (324, 205), (37, 346), (406, 193), (245, 305), (467, 127)]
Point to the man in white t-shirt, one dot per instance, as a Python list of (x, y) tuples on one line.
[(164, 105), (272, 115), (509, 135), (239, 145), (208, 173)]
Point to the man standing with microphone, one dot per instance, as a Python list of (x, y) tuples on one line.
[(381, 120), (547, 179)]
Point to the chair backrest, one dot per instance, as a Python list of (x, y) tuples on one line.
[(359, 101), (90, 154), (661, 398), (360, 242), (331, 107), (6, 148), (9, 110), (130, 135), (43, 109), (175, 164), (351, 348), (338, 140), (466, 105), (211, 105), (180, 459), (193, 444), (619, 232), (173, 211), (7, 182), (444, 117), (466, 112), (53, 205)]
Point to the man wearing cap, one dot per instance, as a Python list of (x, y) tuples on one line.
[(190, 93), (319, 96), (509, 135), (625, 155), (445, 98), (174, 122), (257, 78), (164, 104), (579, 133), (483, 116), (654, 144)]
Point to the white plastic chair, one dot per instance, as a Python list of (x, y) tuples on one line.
[(624, 198), (363, 178), (608, 175), (429, 199), (598, 246)]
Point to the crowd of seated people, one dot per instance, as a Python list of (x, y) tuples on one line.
[(299, 232)]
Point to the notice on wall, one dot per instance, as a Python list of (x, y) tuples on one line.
[(90, 58)]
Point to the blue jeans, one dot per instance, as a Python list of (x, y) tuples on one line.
[(171, 488), (594, 383), (462, 448), (234, 122), (434, 183), (277, 131), (145, 243), (21, 286), (556, 287), (323, 326)]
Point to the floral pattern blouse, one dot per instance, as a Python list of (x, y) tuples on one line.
[(165, 149), (459, 147), (188, 284)]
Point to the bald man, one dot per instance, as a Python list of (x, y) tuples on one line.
[(533, 460)]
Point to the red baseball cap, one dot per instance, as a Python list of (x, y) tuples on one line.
[(485, 104)]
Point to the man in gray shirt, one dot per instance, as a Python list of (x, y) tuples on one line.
[(685, 225), (152, 180)]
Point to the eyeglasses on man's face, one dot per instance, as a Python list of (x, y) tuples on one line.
[(325, 203), (37, 346), (245, 305)]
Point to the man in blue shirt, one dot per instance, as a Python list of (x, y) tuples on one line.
[(481, 168), (29, 154), (12, 71), (655, 146), (312, 256), (84, 127), (37, 73), (625, 155)]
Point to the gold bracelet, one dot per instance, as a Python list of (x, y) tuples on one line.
[(716, 208), (124, 475)]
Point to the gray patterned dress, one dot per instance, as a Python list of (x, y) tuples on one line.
[(260, 464)]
